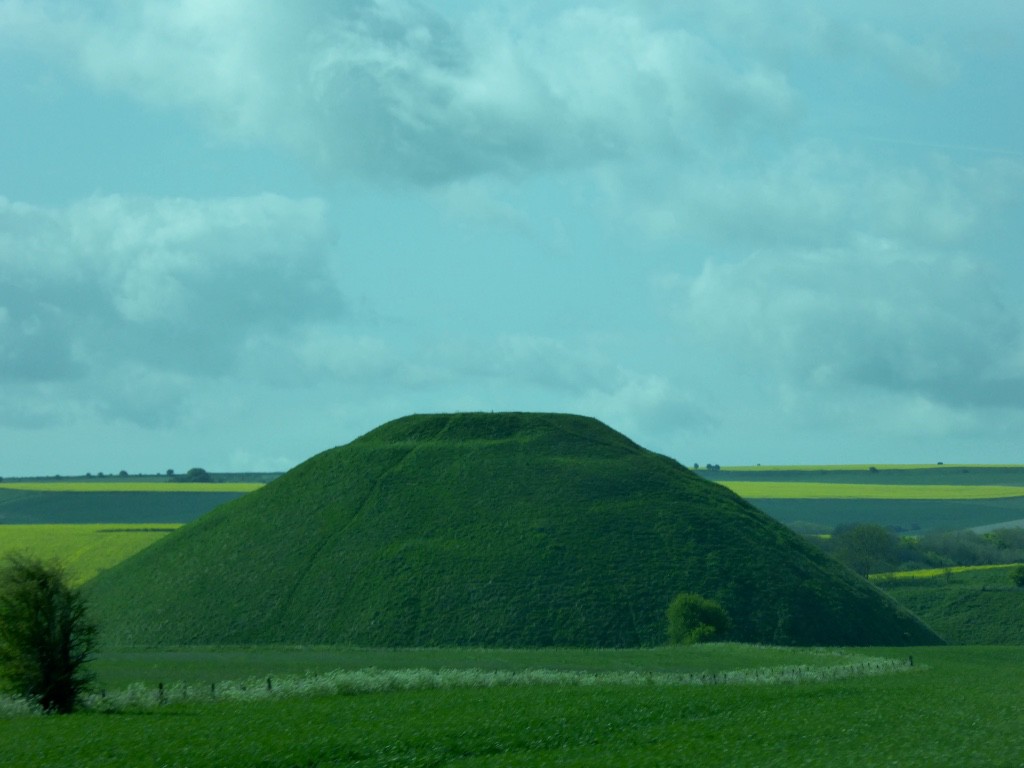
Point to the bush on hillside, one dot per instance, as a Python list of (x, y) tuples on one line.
[(695, 619)]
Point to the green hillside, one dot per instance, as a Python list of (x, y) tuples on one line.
[(971, 606), (509, 529)]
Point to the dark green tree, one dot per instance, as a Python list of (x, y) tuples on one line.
[(695, 619), (46, 635), (1017, 575), (866, 548)]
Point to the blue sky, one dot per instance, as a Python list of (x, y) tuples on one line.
[(234, 234)]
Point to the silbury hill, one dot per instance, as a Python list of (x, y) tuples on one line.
[(504, 529)]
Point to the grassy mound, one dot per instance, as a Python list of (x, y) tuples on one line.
[(510, 529)]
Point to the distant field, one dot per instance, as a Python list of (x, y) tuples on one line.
[(791, 490), (866, 467), (880, 475), (909, 497), (115, 486), (909, 515), (84, 550), (20, 505), (930, 573)]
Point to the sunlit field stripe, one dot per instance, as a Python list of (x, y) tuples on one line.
[(931, 573), (91, 487), (799, 490), (84, 548)]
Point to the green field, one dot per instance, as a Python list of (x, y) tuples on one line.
[(19, 505), (969, 606), (755, 490), (953, 708), (85, 549)]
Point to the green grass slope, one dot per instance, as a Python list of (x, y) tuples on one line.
[(966, 607), (509, 529)]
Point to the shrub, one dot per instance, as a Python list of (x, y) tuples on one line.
[(695, 619), (46, 637), (1017, 575)]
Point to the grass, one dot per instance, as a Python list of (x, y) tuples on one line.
[(969, 606), (795, 490), (196, 665), (954, 708), (525, 530), (931, 573), (84, 550)]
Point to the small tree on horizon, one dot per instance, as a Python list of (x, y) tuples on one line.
[(46, 635), (696, 619)]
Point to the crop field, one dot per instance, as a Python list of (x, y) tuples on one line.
[(811, 490), (909, 498), (118, 486), (880, 475), (931, 573), (952, 708), (84, 549), (19, 505)]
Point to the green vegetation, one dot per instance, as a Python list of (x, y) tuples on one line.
[(518, 530), (86, 549), (966, 606), (695, 619), (198, 666), (952, 708), (869, 548), (46, 635)]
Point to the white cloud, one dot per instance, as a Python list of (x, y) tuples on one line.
[(873, 316), (133, 297), (391, 89)]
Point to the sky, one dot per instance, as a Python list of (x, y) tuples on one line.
[(236, 233)]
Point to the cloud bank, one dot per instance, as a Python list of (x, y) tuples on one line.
[(155, 291)]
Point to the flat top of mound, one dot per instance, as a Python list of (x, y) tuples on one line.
[(513, 529)]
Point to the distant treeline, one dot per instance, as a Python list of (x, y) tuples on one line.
[(869, 548)]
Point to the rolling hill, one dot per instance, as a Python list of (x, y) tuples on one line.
[(503, 529)]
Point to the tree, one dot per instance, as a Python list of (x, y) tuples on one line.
[(695, 619), (46, 635), (866, 548), (1017, 575)]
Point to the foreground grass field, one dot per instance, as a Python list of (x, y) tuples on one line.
[(954, 708)]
